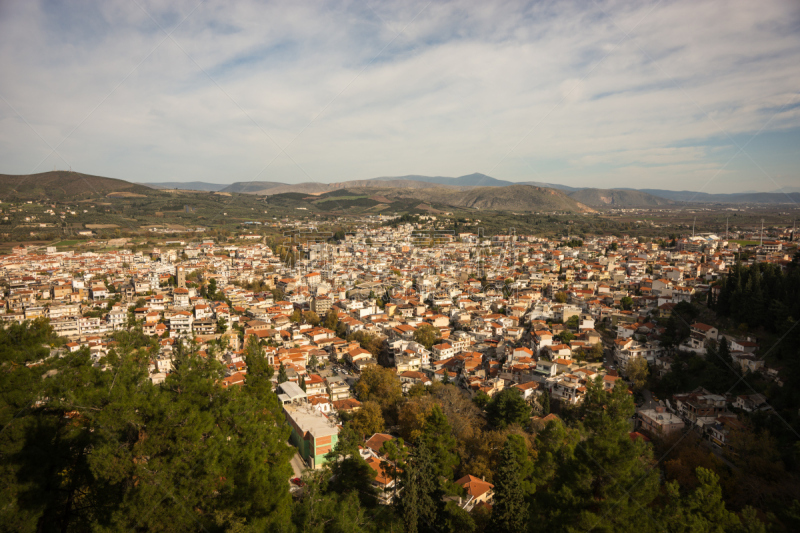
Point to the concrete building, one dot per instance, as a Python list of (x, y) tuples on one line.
[(313, 433)]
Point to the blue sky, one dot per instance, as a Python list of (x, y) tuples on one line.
[(671, 95)]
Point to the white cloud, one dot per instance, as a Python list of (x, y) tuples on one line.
[(618, 93)]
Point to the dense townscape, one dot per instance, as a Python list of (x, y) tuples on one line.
[(426, 379)]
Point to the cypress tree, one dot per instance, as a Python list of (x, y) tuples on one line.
[(282, 377)]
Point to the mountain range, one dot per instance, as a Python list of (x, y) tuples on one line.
[(616, 197), (476, 190)]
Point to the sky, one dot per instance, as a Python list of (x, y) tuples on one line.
[(693, 95)]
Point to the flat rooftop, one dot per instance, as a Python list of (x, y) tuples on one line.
[(311, 421)]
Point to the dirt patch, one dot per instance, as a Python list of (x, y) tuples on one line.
[(101, 226), (380, 198), (223, 193)]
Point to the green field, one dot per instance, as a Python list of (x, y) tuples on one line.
[(743, 243), (67, 243)]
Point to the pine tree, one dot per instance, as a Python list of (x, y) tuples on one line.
[(509, 510), (437, 437), (301, 382), (282, 377)]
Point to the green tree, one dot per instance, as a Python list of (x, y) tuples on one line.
[(350, 472), (701, 510), (560, 297), (426, 335), (421, 495), (626, 303), (506, 408), (301, 382), (282, 377), (509, 510), (437, 436)]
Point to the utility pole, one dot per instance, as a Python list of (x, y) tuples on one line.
[(761, 236), (693, 223), (726, 228)]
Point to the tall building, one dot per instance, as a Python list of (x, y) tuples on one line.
[(181, 277)]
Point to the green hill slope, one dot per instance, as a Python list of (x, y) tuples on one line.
[(65, 185)]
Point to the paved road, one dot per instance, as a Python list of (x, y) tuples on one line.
[(298, 466)]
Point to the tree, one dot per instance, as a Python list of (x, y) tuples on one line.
[(637, 372), (544, 401), (222, 325), (103, 444), (509, 510), (626, 303), (313, 362), (573, 322), (702, 510), (301, 382), (506, 408), (481, 399), (368, 420), (437, 436), (296, 316), (311, 318), (566, 336), (350, 472), (421, 497), (331, 320), (371, 343), (426, 335), (380, 385), (596, 353), (560, 297), (282, 377)]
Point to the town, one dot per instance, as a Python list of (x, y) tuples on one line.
[(508, 319)]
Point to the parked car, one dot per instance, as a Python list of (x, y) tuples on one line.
[(297, 481)]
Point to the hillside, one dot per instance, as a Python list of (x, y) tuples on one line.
[(65, 185), (733, 198), (252, 187), (512, 198), (617, 198), (186, 185), (470, 180)]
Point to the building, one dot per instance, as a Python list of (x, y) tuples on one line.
[(313, 433), (658, 421), (180, 277)]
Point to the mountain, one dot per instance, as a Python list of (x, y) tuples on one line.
[(252, 187), (510, 198), (470, 180), (733, 198), (66, 185), (617, 198), (186, 185)]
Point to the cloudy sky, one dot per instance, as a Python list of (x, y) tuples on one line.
[(673, 95)]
